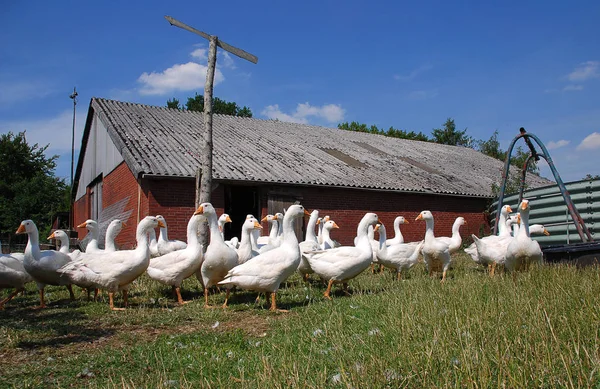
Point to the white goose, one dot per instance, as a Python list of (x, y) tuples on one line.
[(12, 275), (273, 239), (63, 240), (245, 251), (223, 219), (310, 243), (522, 250), (398, 256), (116, 270), (266, 272), (114, 228), (503, 231), (321, 222), (94, 232), (435, 252), (398, 238), (219, 258), (43, 265), (329, 243), (455, 241), (176, 266), (339, 265), (164, 244)]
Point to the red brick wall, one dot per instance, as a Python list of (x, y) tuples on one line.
[(117, 185), (174, 199), (347, 206)]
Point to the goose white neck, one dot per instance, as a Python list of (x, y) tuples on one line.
[(289, 235), (274, 229), (192, 232), (213, 225), (382, 239), (397, 232), (163, 233), (310, 227), (429, 226), (111, 233), (33, 243), (524, 226), (362, 231)]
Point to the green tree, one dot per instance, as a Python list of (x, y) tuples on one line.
[(28, 187), (222, 107), (448, 135), (173, 103), (391, 132)]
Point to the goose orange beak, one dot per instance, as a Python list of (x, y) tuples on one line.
[(420, 217), (275, 217), (199, 210), (376, 228), (82, 225), (318, 222), (406, 222), (306, 212), (21, 229), (256, 225), (228, 219), (161, 224), (264, 219), (52, 236), (508, 208), (524, 204), (335, 225), (546, 232), (124, 225)]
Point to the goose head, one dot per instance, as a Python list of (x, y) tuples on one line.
[(58, 234), (460, 221), (425, 215), (506, 210), (26, 227), (294, 211), (269, 218), (400, 220), (279, 215), (224, 218), (161, 218), (91, 225), (330, 224), (116, 225)]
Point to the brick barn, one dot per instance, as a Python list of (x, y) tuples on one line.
[(138, 160)]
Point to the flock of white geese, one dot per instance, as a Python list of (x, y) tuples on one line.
[(256, 263)]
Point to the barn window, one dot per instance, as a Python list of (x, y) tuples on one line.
[(95, 199)]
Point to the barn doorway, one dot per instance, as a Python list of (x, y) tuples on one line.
[(277, 202), (240, 201)]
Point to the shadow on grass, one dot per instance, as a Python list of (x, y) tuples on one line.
[(58, 325)]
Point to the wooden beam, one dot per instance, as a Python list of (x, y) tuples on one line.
[(232, 49)]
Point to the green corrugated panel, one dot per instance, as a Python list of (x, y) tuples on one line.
[(548, 208)]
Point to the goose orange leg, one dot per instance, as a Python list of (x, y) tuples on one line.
[(12, 295), (42, 303), (226, 298), (111, 302), (328, 291)]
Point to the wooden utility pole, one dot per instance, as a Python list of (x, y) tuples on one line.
[(204, 190)]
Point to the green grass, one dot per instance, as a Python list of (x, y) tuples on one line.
[(541, 330)]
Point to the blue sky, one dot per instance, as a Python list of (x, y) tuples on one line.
[(411, 66)]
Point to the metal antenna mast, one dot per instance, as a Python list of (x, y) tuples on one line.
[(72, 96)]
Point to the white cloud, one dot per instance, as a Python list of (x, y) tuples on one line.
[(331, 113), (412, 75), (585, 71), (590, 142), (572, 88), (200, 54), (179, 77), (556, 145), (226, 60)]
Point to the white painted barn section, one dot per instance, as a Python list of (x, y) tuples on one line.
[(100, 158)]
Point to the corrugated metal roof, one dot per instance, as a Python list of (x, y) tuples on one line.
[(164, 141)]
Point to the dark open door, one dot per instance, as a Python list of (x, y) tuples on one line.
[(239, 202)]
